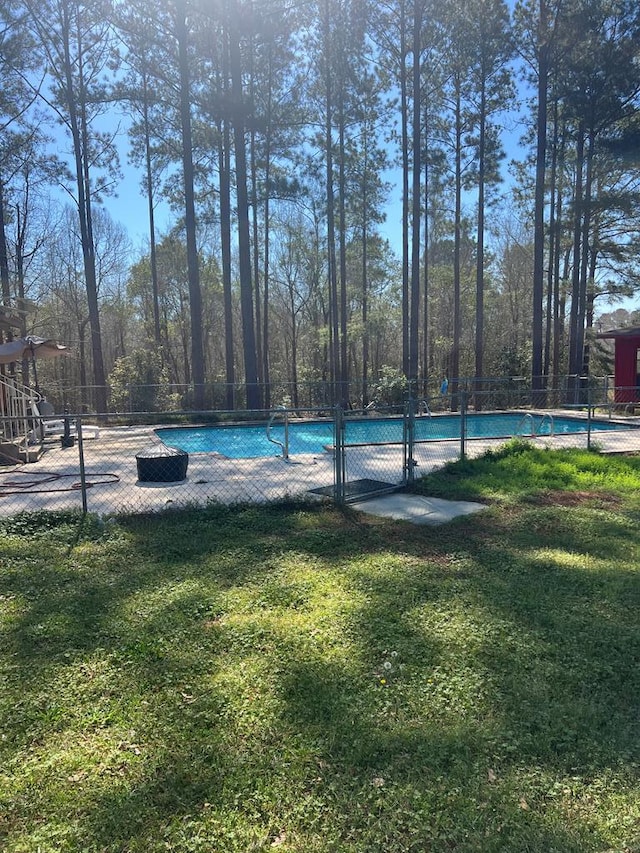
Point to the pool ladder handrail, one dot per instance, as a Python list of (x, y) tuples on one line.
[(535, 433), (525, 418), (284, 445), (547, 416)]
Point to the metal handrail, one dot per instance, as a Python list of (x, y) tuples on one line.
[(525, 418), (284, 445), (18, 409), (547, 417)]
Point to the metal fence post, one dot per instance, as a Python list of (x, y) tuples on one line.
[(463, 423), (589, 413), (83, 478), (339, 464), (409, 435)]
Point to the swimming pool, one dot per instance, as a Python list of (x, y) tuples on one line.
[(248, 441)]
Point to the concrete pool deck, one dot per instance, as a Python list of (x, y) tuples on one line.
[(53, 482)]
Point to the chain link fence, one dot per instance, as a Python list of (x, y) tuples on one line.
[(140, 463), (390, 390)]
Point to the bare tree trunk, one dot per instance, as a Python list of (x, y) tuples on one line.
[(193, 265), (553, 248), (457, 314), (83, 365), (425, 265), (224, 149), (404, 119), (558, 314), (344, 368), (224, 161), (294, 348), (364, 285), (480, 247), (266, 370), (590, 302), (152, 227), (255, 255), (331, 235), (414, 310), (77, 121), (575, 352), (244, 243), (541, 150), (585, 256), (257, 299), (20, 243), (4, 254)]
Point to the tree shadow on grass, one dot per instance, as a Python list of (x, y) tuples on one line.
[(377, 766), (569, 684), (559, 660), (395, 784)]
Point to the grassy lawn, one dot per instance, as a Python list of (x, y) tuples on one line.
[(300, 679)]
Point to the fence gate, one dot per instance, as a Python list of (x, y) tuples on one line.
[(373, 452)]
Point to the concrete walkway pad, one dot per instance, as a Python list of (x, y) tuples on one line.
[(418, 509)]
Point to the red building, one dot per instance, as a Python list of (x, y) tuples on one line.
[(627, 363)]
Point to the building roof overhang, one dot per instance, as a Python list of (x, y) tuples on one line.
[(630, 332)]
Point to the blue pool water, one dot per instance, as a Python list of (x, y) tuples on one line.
[(248, 441)]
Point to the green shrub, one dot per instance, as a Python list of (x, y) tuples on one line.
[(140, 383)]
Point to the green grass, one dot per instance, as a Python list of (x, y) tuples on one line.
[(300, 679)]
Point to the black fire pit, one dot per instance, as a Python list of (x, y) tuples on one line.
[(161, 464)]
